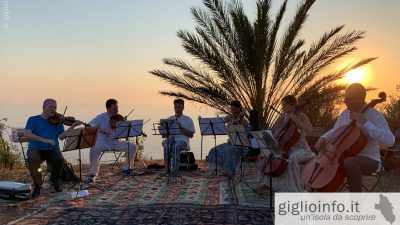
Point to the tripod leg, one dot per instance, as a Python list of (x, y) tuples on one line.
[(216, 155)]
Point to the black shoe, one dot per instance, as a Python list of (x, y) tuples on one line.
[(57, 187), (129, 172), (36, 192)]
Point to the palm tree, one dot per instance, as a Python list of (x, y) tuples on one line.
[(235, 58)]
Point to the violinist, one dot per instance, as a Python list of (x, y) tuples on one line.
[(228, 154), (105, 142), (373, 124), (289, 180), (43, 145)]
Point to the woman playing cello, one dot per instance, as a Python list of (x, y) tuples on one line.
[(289, 180)]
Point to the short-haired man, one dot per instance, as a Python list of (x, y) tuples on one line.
[(373, 124), (105, 142), (43, 145), (179, 142)]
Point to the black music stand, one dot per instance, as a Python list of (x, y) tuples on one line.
[(78, 139), (166, 128), (127, 129), (264, 140), (211, 126), (238, 137)]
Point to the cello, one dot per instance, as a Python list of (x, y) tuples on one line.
[(325, 173), (286, 137)]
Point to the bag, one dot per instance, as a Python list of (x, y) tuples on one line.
[(187, 161), (15, 191), (186, 158), (67, 172)]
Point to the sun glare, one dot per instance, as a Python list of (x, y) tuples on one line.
[(356, 76)]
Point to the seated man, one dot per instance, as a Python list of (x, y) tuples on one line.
[(43, 145), (177, 143), (105, 142), (372, 124)]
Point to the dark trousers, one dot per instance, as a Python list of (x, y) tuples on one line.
[(54, 160), (355, 167)]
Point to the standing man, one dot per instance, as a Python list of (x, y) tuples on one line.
[(43, 145), (179, 142), (373, 124), (106, 142)]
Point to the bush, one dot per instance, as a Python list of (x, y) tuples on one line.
[(9, 158), (391, 110)]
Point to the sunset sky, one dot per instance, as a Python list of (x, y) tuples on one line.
[(84, 52)]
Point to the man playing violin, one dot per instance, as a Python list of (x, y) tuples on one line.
[(373, 124), (105, 142), (43, 145)]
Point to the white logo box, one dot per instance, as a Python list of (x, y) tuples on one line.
[(337, 208)]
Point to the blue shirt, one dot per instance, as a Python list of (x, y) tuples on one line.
[(43, 128)]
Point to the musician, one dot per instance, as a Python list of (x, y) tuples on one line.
[(43, 145), (228, 154), (105, 142), (299, 153), (373, 124), (178, 142)]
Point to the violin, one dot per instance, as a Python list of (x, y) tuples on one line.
[(236, 119), (58, 118), (117, 118), (325, 173)]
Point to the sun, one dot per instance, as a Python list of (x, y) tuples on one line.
[(358, 75)]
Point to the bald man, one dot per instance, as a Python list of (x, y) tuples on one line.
[(372, 124), (43, 145)]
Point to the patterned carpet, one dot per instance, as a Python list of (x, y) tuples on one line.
[(198, 199), (196, 188), (152, 214)]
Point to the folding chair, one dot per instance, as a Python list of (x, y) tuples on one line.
[(375, 177), (16, 138), (116, 154)]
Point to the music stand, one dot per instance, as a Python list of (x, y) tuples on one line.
[(265, 140), (238, 137), (127, 129), (211, 126), (166, 128), (17, 135), (77, 139)]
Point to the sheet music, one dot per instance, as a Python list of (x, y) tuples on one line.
[(237, 135), (14, 137), (121, 131), (173, 126), (267, 143), (217, 123), (88, 139)]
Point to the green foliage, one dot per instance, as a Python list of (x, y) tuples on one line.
[(324, 114), (139, 147), (9, 158), (391, 110), (235, 58)]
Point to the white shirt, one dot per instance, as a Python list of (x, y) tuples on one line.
[(376, 129), (187, 123), (103, 122)]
